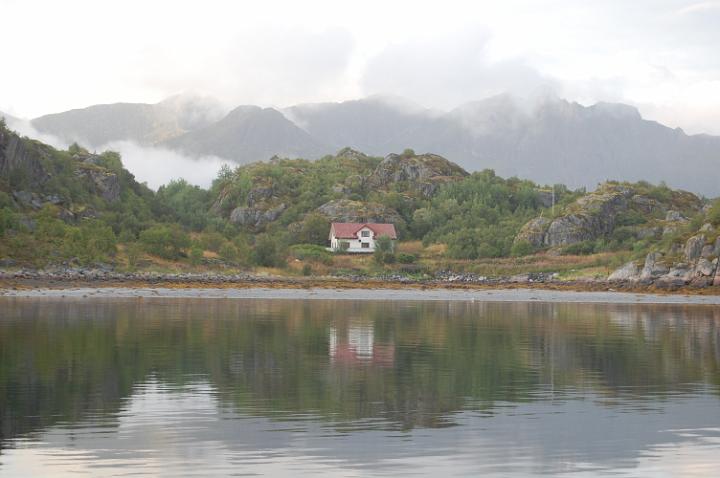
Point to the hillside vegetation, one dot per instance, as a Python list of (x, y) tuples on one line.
[(76, 208)]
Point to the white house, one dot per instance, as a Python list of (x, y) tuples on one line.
[(357, 237)]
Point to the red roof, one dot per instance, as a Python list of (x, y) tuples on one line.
[(349, 230)]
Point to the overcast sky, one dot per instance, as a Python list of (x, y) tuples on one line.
[(660, 55)]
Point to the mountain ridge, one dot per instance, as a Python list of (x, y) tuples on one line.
[(550, 140)]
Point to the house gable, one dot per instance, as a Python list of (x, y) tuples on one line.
[(353, 230)]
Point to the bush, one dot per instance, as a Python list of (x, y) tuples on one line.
[(384, 250), (521, 248), (311, 252), (8, 220), (164, 241), (404, 258), (266, 252), (212, 241), (196, 255), (126, 237), (314, 230), (228, 252), (630, 218), (307, 270), (579, 249), (714, 213), (133, 252)]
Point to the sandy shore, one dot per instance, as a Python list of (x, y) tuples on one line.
[(436, 294)]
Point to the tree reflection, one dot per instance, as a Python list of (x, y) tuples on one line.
[(411, 364)]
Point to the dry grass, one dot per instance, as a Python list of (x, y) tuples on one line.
[(595, 264), (410, 247)]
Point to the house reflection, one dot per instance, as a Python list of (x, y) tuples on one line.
[(354, 344)]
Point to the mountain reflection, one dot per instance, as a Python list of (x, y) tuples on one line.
[(356, 367)]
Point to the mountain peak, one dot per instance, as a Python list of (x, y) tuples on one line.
[(618, 110)]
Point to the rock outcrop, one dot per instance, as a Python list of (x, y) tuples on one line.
[(643, 212), (629, 272), (654, 267), (15, 154), (592, 216), (422, 173), (533, 232), (693, 247), (105, 183), (255, 217), (698, 269), (345, 210)]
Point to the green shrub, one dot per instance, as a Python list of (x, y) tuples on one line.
[(314, 230), (579, 248), (133, 251), (164, 241), (384, 250), (8, 220), (307, 270), (228, 252), (196, 255), (126, 237), (521, 248), (714, 213), (311, 252), (212, 241), (630, 218), (404, 258), (267, 252)]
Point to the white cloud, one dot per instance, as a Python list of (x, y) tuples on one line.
[(151, 165), (158, 166), (451, 69), (659, 53)]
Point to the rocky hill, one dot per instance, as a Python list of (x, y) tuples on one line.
[(77, 183), (678, 262), (348, 186), (422, 173), (640, 211), (674, 236)]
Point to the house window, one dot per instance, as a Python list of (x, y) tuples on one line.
[(366, 245), (365, 233)]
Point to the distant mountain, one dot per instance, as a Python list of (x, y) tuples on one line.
[(559, 141), (143, 123), (247, 134), (373, 124), (548, 141)]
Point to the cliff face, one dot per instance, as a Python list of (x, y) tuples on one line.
[(16, 155), (422, 173), (35, 174), (645, 213)]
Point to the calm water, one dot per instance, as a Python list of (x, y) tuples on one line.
[(340, 388)]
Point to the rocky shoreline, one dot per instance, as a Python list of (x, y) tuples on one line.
[(106, 277), (695, 265)]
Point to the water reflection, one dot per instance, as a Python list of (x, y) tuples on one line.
[(354, 344), (192, 387)]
